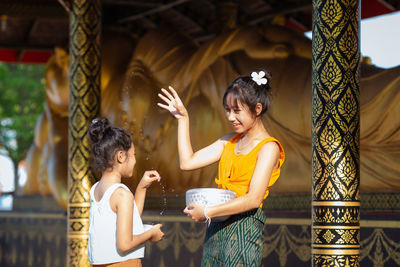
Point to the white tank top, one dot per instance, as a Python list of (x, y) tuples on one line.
[(103, 230)]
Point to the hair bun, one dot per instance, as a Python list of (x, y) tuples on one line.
[(268, 76), (98, 128)]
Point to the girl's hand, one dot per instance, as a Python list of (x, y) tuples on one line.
[(157, 234), (172, 103), (196, 212), (148, 178)]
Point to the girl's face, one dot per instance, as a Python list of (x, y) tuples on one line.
[(239, 115), (129, 163)]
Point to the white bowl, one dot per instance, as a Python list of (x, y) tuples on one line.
[(209, 197)]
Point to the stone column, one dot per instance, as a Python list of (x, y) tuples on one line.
[(84, 105), (335, 133)]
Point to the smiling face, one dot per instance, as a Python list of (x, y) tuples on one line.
[(129, 162), (239, 115)]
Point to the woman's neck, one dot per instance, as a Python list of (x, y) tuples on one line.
[(258, 130)]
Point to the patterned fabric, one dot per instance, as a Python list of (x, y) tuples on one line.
[(238, 241), (235, 171)]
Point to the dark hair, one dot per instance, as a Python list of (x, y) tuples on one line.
[(245, 90), (106, 141)]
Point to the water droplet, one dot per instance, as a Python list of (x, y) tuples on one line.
[(164, 199)]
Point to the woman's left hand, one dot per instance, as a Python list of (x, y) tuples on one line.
[(196, 212), (148, 178)]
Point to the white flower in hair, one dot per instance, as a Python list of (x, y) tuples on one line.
[(259, 77)]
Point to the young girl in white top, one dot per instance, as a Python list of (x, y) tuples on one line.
[(116, 232)]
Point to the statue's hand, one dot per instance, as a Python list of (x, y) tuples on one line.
[(172, 103)]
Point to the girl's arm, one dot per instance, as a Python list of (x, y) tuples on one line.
[(267, 160), (189, 160), (140, 194), (122, 203)]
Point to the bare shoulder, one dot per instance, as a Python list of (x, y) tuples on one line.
[(121, 194), (270, 149), (121, 199)]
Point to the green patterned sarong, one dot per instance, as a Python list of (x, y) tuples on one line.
[(238, 241)]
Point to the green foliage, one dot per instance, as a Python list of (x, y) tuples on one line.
[(22, 98)]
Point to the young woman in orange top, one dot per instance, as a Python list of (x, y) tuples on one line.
[(249, 164)]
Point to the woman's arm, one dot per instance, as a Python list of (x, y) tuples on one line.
[(267, 160), (122, 203), (189, 160)]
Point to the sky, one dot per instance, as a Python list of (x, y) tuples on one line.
[(380, 39)]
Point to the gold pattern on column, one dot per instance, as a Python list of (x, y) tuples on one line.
[(335, 133), (85, 28)]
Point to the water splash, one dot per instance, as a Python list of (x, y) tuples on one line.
[(164, 199)]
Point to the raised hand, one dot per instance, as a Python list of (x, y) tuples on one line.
[(172, 103)]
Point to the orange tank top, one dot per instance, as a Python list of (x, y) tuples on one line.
[(235, 171)]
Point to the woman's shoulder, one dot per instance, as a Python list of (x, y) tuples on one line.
[(271, 146), (228, 137)]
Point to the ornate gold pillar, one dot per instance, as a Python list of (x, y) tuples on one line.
[(335, 133), (84, 105)]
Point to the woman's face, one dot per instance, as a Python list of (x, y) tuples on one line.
[(239, 115)]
